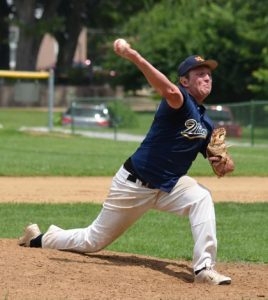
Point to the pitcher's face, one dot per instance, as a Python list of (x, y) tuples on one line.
[(199, 83)]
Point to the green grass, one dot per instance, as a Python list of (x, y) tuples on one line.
[(14, 118), (24, 154), (249, 161), (241, 229), (47, 155)]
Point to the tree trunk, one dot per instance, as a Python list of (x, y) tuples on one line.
[(27, 49), (32, 31), (68, 38), (4, 35)]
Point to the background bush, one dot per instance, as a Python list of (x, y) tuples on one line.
[(122, 115)]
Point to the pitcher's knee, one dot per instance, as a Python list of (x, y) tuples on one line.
[(202, 210), (204, 197), (95, 241), (94, 246), (207, 197)]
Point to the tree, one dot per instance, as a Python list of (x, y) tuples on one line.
[(4, 34), (64, 20), (259, 83), (232, 32), (100, 17), (32, 29), (237, 35), (164, 34), (105, 23), (74, 15)]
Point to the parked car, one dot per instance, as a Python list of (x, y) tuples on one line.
[(85, 115), (222, 116)]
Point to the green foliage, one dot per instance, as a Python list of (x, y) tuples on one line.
[(41, 27), (260, 87), (122, 115), (232, 32), (156, 234), (57, 118), (106, 20), (144, 121), (76, 75)]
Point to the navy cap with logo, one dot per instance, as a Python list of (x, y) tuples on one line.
[(195, 61)]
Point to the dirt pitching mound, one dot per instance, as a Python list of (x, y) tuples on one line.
[(51, 274)]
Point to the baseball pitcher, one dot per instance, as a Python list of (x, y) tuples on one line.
[(155, 176)]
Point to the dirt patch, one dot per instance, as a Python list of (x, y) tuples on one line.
[(28, 273), (95, 189), (51, 274)]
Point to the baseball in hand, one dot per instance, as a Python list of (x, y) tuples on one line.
[(120, 45)]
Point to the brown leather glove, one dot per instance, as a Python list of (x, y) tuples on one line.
[(218, 156)]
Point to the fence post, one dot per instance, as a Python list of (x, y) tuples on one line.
[(72, 117), (50, 99), (115, 121), (252, 122)]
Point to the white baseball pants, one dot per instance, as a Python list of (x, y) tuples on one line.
[(127, 201)]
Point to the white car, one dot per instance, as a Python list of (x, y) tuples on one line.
[(85, 115)]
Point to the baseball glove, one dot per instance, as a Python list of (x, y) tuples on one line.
[(218, 148)]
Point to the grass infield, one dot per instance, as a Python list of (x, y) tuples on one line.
[(25, 154), (240, 227)]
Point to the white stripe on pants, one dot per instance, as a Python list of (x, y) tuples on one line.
[(128, 201)]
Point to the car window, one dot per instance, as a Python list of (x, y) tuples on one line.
[(87, 112)]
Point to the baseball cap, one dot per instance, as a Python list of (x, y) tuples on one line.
[(195, 61)]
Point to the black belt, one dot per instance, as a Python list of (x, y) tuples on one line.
[(133, 177)]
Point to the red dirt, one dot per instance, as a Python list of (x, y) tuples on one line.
[(50, 274)]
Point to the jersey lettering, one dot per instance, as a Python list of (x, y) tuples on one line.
[(194, 130)]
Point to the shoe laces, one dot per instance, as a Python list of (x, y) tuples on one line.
[(211, 269)]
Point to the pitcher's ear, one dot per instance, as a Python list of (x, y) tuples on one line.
[(183, 81)]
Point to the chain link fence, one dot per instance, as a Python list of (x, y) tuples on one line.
[(101, 117), (252, 118), (246, 122)]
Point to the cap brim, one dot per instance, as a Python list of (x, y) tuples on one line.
[(211, 63)]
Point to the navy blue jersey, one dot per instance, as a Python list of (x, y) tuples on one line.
[(172, 143)]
